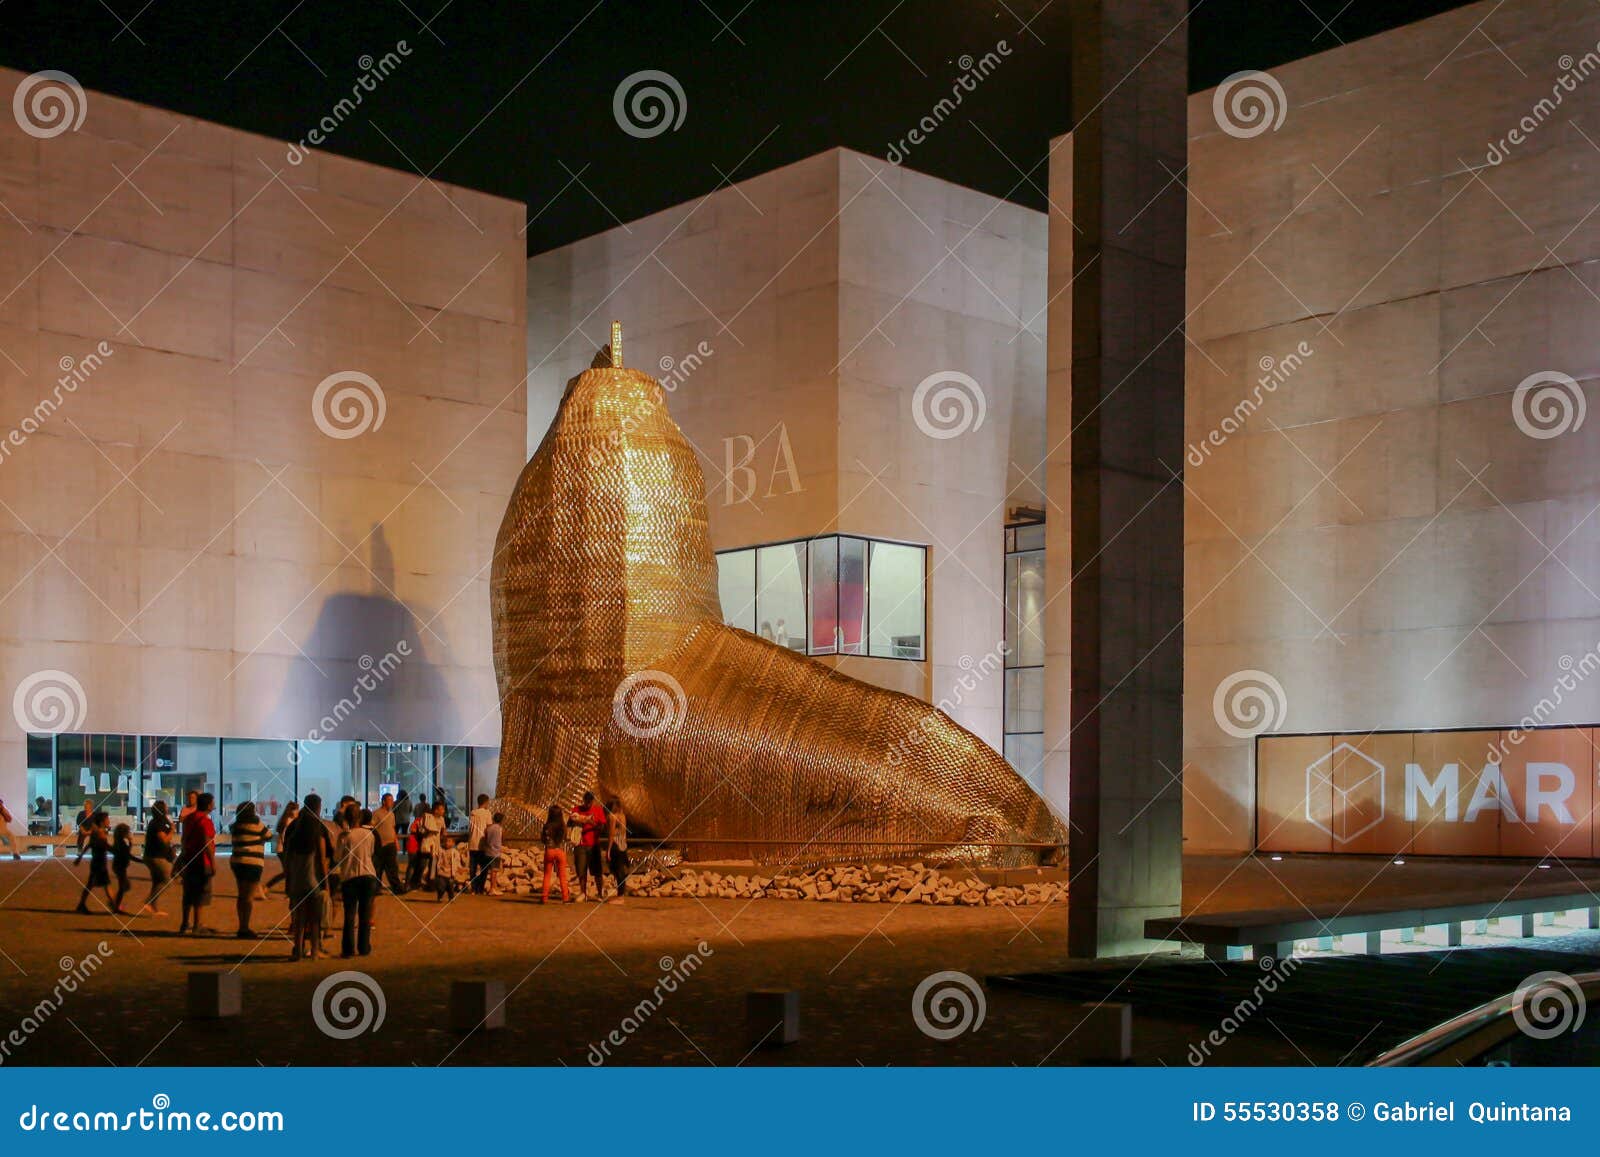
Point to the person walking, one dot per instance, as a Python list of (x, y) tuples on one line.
[(8, 838), (290, 811), (554, 838), (198, 864), (358, 877), (121, 860), (307, 859), (248, 858), (478, 821), (97, 838), (591, 820), (617, 846), (85, 822), (414, 837), (158, 841), (384, 831)]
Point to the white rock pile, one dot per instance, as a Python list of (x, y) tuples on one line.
[(916, 883)]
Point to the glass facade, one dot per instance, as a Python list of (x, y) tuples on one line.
[(1024, 686), (833, 595), (124, 774)]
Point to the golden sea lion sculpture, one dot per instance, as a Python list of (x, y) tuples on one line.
[(617, 675)]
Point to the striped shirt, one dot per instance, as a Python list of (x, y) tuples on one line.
[(249, 843)]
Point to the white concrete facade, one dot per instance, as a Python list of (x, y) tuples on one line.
[(1380, 535), (178, 534), (826, 291)]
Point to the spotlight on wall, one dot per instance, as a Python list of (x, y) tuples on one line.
[(1276, 858), (1544, 867), (1399, 863)]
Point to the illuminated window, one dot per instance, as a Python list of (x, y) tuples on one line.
[(833, 595)]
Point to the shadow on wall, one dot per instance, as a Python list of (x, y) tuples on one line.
[(364, 673)]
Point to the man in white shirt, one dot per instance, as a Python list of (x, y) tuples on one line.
[(478, 822)]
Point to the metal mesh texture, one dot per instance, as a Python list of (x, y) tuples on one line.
[(617, 675)]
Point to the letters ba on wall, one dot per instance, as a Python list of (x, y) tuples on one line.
[(1452, 793)]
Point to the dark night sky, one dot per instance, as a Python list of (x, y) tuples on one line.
[(516, 98)]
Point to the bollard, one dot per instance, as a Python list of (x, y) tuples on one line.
[(772, 1017), (477, 1004), (1103, 1037), (215, 995)]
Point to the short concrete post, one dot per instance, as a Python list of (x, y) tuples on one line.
[(772, 1017), (1452, 934), (1374, 943), (1589, 918), (477, 1004), (1104, 1035), (1524, 925), (215, 995)]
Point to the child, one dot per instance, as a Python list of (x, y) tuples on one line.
[(97, 842), (493, 838), (450, 871), (121, 857)]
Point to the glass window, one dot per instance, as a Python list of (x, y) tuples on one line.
[(454, 764), (852, 638), (175, 766), (258, 771), (1025, 753), (41, 785), (1030, 537), (485, 772), (402, 768), (100, 768), (1024, 699), (895, 618), (736, 587), (824, 595), (1025, 609), (329, 768), (781, 594)]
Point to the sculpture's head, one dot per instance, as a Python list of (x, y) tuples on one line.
[(604, 560)]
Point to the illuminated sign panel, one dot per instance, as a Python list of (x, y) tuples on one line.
[(1461, 793)]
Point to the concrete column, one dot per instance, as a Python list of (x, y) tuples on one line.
[(1114, 419)]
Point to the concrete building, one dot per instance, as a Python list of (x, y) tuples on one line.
[(795, 316), (1388, 529), (262, 418)]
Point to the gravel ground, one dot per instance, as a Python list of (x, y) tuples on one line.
[(575, 974)]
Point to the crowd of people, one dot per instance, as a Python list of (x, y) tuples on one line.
[(333, 867)]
